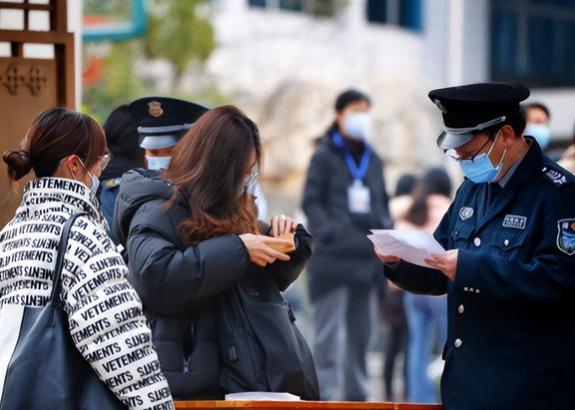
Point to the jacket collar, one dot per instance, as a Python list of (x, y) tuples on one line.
[(71, 196), (523, 174), (530, 164)]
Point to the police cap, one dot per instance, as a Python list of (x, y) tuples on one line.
[(162, 121), (469, 109)]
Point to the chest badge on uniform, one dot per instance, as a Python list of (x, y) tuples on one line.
[(465, 213), (566, 236), (515, 221)]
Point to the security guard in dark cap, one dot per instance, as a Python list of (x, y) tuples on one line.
[(162, 121), (509, 269)]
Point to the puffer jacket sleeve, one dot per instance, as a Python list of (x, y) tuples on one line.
[(106, 320), (285, 273), (172, 280)]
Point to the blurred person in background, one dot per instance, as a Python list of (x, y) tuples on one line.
[(538, 117), (401, 201), (124, 145), (344, 197), (568, 158), (392, 306), (67, 151), (192, 235), (426, 315)]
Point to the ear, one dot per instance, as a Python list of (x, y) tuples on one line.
[(507, 134), (73, 165)]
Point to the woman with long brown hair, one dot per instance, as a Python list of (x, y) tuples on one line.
[(193, 236)]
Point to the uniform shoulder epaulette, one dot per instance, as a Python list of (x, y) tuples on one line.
[(113, 182), (557, 176)]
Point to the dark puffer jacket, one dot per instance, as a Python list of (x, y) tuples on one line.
[(179, 285)]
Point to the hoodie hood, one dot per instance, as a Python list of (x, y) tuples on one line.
[(138, 187)]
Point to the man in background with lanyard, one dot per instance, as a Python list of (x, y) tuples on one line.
[(344, 198)]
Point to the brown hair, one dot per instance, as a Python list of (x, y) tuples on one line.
[(55, 134), (208, 168)]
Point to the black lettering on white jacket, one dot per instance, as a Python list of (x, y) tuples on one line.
[(105, 313)]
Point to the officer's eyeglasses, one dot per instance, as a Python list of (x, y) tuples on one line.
[(452, 153)]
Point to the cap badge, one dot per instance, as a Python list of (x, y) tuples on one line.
[(155, 108), (440, 106)]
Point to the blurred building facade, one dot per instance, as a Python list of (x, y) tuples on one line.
[(285, 61)]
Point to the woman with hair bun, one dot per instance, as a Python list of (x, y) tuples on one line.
[(67, 151)]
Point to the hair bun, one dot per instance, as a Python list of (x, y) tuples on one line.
[(19, 164)]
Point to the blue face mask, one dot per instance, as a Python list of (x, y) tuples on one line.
[(540, 132), (95, 183), (357, 125), (481, 170), (95, 180), (158, 163)]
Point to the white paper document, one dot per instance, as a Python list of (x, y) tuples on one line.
[(411, 246), (261, 396)]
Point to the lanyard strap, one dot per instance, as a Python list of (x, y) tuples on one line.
[(357, 172)]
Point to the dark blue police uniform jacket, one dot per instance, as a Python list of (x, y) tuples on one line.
[(109, 191), (511, 308)]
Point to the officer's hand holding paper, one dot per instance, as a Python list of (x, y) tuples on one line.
[(411, 246)]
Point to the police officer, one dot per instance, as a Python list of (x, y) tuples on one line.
[(159, 122), (509, 270), (148, 127), (162, 121), (143, 133)]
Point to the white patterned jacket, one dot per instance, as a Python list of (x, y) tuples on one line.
[(105, 313)]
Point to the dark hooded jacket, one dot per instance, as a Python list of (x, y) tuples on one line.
[(179, 286)]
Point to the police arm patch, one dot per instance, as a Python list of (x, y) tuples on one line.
[(566, 236)]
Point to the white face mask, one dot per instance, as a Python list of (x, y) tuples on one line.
[(357, 125), (250, 183)]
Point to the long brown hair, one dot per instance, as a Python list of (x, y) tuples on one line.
[(208, 169), (55, 134)]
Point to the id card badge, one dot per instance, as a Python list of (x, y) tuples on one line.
[(359, 198)]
